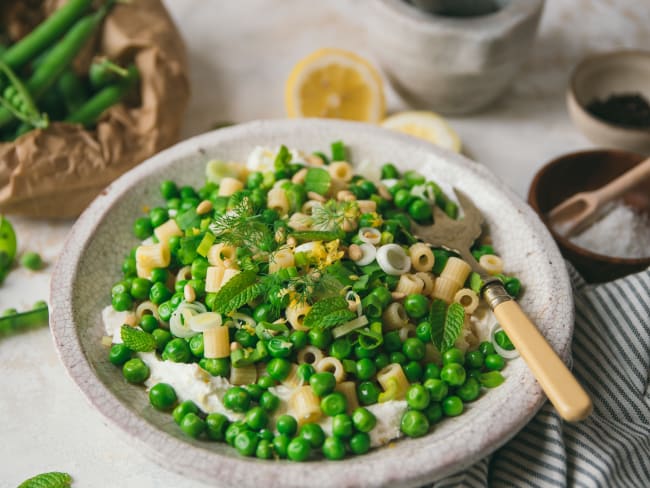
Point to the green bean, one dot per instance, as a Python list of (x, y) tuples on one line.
[(73, 90), (24, 320), (104, 72), (89, 112), (45, 34)]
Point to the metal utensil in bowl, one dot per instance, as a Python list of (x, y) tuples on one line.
[(561, 387)]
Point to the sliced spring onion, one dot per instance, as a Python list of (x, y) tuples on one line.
[(348, 327), (370, 235), (369, 254), (502, 352), (389, 182), (393, 260), (307, 247), (204, 321), (242, 320), (178, 323), (353, 296)]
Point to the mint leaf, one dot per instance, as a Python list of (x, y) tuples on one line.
[(240, 289), (317, 180), (137, 340), (453, 325), (48, 480), (329, 312), (437, 321)]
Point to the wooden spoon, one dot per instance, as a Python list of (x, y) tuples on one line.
[(579, 211)]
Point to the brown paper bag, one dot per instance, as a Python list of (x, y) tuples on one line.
[(55, 173)]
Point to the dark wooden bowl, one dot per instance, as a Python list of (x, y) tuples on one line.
[(584, 171)]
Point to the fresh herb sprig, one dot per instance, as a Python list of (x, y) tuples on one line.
[(242, 227)]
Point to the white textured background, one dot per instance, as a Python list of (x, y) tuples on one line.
[(240, 54)]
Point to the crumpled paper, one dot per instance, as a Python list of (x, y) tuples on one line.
[(55, 173)]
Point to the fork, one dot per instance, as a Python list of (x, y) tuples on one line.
[(561, 387)]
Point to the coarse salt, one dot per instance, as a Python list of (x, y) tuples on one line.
[(621, 232)]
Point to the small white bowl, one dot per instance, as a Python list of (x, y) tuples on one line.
[(600, 76), (91, 261)]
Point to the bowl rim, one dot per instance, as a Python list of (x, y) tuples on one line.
[(572, 92), (533, 200), (142, 433)]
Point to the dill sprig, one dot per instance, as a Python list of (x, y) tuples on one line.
[(242, 227), (332, 215)]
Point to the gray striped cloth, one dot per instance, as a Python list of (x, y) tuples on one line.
[(611, 356)]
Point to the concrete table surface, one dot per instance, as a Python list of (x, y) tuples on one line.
[(240, 54)]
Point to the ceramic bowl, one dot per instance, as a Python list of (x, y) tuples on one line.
[(584, 171), (91, 260), (598, 77), (452, 65)]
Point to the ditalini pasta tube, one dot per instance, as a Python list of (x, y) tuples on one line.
[(305, 405), (393, 380)]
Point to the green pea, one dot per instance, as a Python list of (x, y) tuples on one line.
[(216, 367), (245, 338), (196, 345), (333, 448), (159, 275), (264, 449), (158, 216), (414, 423), (321, 338), (431, 370), (121, 287), (365, 369), (383, 295), (159, 293), (389, 172), (233, 430), (414, 349), (313, 434), (192, 425), (403, 198), (165, 311), (362, 352), (322, 383), (216, 425), (142, 228), (360, 443), (363, 419), (266, 434), (168, 189), (433, 412), (470, 390), (279, 347), (333, 404), (423, 332), (503, 340), (266, 382), (188, 192), (237, 399), (31, 260), (135, 371), (265, 312), (174, 203), (372, 306), (452, 406), (392, 341), (281, 445), (453, 374), (177, 351), (420, 210), (299, 339), (494, 362), (269, 401), (278, 368), (453, 355), (341, 348), (119, 354), (474, 359), (175, 300), (148, 323), (179, 286), (298, 449), (513, 287), (162, 337), (368, 393), (397, 357), (416, 305), (486, 348), (491, 379), (413, 371), (256, 418), (417, 397), (287, 425), (122, 302), (381, 361), (129, 267), (162, 396), (305, 371), (342, 426), (437, 388), (182, 409), (140, 288)]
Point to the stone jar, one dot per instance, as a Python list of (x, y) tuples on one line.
[(452, 65)]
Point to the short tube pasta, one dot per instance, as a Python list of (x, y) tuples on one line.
[(349, 390), (409, 284), (310, 355), (213, 278), (146, 307), (305, 405), (216, 342), (394, 317), (467, 298), (367, 206), (292, 380), (244, 375), (428, 279), (281, 259), (150, 256), (392, 379), (229, 185), (164, 231), (491, 263), (331, 365), (277, 200), (456, 270), (185, 273), (341, 170), (296, 313), (421, 257), (445, 289), (219, 254)]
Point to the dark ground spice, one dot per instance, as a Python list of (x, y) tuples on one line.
[(624, 109)]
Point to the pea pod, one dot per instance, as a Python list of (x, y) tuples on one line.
[(45, 34), (7, 247), (88, 113), (73, 91), (104, 72), (24, 320)]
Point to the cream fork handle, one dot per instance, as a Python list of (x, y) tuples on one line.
[(561, 387)]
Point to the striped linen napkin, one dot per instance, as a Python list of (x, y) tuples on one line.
[(611, 355)]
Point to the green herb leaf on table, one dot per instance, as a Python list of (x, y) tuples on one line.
[(317, 180), (453, 326), (48, 480), (137, 340), (239, 290), (329, 312)]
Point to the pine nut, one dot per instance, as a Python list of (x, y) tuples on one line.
[(204, 207)]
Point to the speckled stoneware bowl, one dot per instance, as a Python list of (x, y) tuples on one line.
[(91, 260)]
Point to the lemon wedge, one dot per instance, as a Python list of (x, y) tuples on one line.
[(425, 125), (335, 83)]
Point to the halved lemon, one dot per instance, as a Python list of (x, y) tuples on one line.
[(335, 83), (425, 125)]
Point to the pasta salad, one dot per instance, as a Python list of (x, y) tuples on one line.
[(285, 308)]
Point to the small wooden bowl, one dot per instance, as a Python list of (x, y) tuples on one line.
[(584, 171)]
